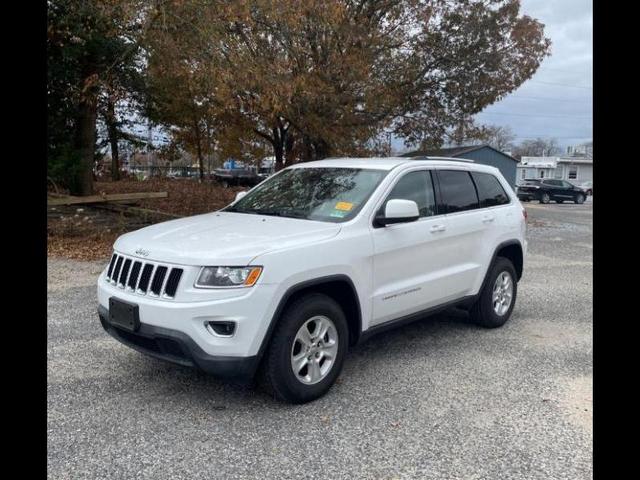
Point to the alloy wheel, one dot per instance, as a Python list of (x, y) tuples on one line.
[(502, 293), (314, 350)]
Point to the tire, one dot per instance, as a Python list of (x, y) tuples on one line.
[(579, 199), (277, 372), (483, 312), (559, 201), (545, 198)]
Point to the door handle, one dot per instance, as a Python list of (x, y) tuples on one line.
[(437, 228), (488, 219)]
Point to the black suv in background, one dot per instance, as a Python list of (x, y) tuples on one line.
[(546, 190)]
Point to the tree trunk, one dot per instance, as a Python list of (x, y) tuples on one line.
[(288, 149), (112, 131), (279, 154), (199, 152), (85, 143), (278, 148), (307, 149), (321, 149)]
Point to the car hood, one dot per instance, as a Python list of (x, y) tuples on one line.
[(221, 238)]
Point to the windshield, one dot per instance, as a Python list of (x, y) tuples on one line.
[(324, 194)]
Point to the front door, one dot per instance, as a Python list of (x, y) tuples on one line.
[(411, 258)]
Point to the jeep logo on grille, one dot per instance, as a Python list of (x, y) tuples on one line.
[(142, 252)]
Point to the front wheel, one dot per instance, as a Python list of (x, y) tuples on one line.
[(579, 198), (545, 198), (307, 350), (498, 296)]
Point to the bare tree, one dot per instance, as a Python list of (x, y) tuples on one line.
[(538, 147)]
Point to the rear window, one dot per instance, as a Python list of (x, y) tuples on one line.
[(457, 191), (490, 191)]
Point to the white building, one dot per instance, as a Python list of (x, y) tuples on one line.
[(573, 169)]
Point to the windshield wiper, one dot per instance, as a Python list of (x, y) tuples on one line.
[(273, 212)]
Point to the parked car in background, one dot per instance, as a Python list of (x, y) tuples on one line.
[(545, 190), (587, 187)]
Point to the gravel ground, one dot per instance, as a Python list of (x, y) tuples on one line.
[(439, 398)]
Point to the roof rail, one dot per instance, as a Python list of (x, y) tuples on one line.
[(449, 159)]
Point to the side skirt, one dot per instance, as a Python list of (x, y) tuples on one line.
[(464, 302)]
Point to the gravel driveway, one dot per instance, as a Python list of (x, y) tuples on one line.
[(439, 398)]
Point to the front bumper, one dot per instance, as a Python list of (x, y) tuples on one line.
[(251, 309), (177, 347)]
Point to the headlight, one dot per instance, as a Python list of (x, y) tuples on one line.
[(220, 277)]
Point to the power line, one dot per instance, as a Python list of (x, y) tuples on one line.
[(508, 114), (554, 99), (543, 67), (553, 136), (561, 84)]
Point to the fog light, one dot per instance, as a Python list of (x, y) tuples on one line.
[(221, 328)]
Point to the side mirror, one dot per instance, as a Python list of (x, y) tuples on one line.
[(398, 211), (240, 195)]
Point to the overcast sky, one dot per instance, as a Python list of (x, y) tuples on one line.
[(557, 101)]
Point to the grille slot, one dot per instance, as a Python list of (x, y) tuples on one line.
[(111, 264), (125, 271), (172, 282), (116, 270), (133, 277), (158, 280), (145, 277)]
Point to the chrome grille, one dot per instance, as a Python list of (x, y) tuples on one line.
[(143, 278)]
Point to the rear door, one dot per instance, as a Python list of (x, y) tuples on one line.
[(569, 190), (497, 216), (466, 228)]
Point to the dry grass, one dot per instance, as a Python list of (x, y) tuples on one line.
[(83, 233), (186, 196)]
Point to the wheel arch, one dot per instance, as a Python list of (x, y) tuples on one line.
[(339, 287), (512, 250)]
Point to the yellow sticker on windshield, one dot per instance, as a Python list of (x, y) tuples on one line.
[(346, 206)]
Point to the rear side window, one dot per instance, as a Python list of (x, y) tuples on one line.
[(457, 191), (490, 190), (416, 186)]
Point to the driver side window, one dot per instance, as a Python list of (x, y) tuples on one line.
[(416, 186)]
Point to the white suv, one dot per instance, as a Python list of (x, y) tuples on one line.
[(313, 260)]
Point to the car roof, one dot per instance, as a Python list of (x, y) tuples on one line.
[(388, 163)]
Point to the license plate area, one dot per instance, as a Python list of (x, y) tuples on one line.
[(124, 314)]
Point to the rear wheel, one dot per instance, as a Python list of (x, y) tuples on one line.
[(545, 198), (307, 350), (498, 297), (579, 198)]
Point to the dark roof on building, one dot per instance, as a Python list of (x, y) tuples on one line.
[(453, 152)]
